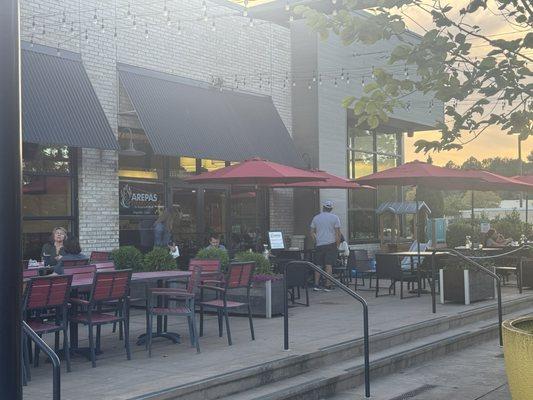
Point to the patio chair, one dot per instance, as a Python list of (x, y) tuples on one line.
[(207, 266), (340, 269), (75, 263), (358, 260), (45, 309), (182, 306), (99, 256), (298, 277), (109, 287), (389, 267), (239, 276)]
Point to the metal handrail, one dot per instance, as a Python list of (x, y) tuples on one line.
[(345, 289), (53, 357), (506, 254), (482, 269)]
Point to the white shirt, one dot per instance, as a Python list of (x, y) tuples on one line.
[(176, 253), (325, 225)]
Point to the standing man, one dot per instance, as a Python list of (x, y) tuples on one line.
[(326, 231)]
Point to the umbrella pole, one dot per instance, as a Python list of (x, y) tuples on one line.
[(527, 206), (472, 216), (417, 240)]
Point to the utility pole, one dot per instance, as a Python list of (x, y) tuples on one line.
[(520, 164), (10, 182)]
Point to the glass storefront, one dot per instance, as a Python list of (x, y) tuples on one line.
[(369, 152), (48, 184)]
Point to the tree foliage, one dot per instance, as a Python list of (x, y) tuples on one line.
[(444, 62)]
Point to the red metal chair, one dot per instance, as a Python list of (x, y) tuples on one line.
[(239, 276), (182, 305), (80, 272), (206, 265), (108, 286), (74, 263), (99, 256), (47, 297)]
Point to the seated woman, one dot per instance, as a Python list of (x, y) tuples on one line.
[(53, 250), (495, 239), (72, 251)]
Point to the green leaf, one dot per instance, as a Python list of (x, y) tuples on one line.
[(348, 101), (487, 63), (373, 122), (398, 27), (460, 38), (359, 107), (528, 40)]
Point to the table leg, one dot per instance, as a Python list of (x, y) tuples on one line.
[(173, 336)]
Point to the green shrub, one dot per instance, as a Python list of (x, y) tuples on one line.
[(128, 257), (215, 254), (159, 259), (459, 229), (262, 265), (510, 226)]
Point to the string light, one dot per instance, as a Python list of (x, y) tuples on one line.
[(293, 83), (335, 82), (245, 10), (134, 22), (342, 74), (244, 81), (146, 35), (31, 41), (64, 20), (406, 71), (287, 6), (314, 76), (165, 10), (115, 33), (205, 16), (58, 50), (95, 17), (363, 81), (86, 36), (128, 13), (169, 21), (44, 29), (334, 13), (347, 78), (102, 27), (334, 1), (204, 6), (408, 106), (309, 85), (251, 24), (320, 79), (33, 24), (291, 18), (213, 26), (373, 75), (179, 27)]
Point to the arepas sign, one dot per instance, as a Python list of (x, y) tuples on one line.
[(140, 198)]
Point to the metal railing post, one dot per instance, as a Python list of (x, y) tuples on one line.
[(56, 364), (433, 295), (285, 311), (344, 288)]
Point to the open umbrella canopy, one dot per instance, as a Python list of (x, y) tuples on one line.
[(524, 178), (256, 171), (417, 173), (330, 182)]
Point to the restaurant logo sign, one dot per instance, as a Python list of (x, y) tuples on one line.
[(140, 198)]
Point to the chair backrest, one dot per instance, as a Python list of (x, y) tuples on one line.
[(28, 273), (48, 291), (206, 265), (297, 274), (110, 285), (194, 280), (99, 256), (239, 274), (105, 266), (86, 271), (75, 263), (388, 266), (359, 259)]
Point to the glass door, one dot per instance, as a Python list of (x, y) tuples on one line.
[(215, 212)]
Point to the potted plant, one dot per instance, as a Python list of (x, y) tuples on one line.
[(267, 288), (216, 254), (159, 259), (464, 283), (518, 350), (128, 257)]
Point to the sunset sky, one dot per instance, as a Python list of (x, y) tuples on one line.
[(492, 142)]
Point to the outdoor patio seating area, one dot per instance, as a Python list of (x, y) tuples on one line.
[(332, 318)]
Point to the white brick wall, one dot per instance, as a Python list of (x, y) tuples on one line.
[(198, 53)]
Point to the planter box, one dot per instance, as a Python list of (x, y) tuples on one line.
[(465, 286), (527, 273), (260, 297)]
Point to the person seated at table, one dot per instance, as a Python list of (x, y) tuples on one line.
[(72, 251), (214, 242), (495, 239), (54, 250), (173, 249)]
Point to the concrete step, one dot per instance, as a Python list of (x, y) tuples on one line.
[(298, 366), (327, 382)]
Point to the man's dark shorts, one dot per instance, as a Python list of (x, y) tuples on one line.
[(326, 254)]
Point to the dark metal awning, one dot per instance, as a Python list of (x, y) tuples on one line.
[(194, 120), (59, 105), (401, 208)]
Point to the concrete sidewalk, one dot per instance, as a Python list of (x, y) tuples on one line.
[(332, 318), (474, 374)]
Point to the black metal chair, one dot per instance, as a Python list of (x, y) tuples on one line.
[(389, 267), (298, 277)]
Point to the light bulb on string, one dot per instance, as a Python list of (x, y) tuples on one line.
[(334, 1), (115, 33), (342, 74), (406, 71), (44, 29), (291, 18), (134, 22), (347, 78), (205, 16), (309, 85), (58, 50), (95, 17), (244, 81), (287, 6), (213, 26), (179, 28), (363, 81), (314, 76), (31, 41), (408, 106), (334, 13), (33, 24), (146, 35), (165, 10), (72, 27), (86, 36), (128, 13), (335, 82), (102, 27), (251, 24), (373, 75), (293, 83), (320, 79), (204, 6), (245, 12), (169, 21), (64, 20)]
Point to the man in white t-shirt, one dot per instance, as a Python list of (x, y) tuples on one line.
[(326, 231)]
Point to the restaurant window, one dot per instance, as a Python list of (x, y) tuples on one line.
[(48, 195), (369, 152)]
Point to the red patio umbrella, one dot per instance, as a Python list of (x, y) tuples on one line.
[(256, 171), (330, 182), (525, 179)]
